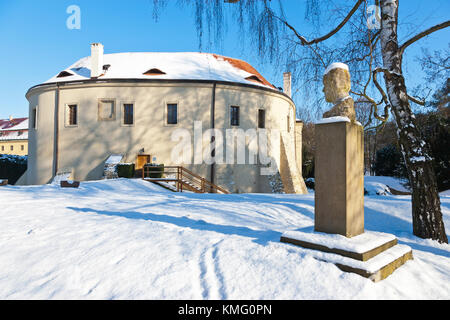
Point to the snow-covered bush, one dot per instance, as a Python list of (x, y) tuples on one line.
[(125, 170)]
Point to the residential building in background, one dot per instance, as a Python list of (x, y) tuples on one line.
[(14, 136)]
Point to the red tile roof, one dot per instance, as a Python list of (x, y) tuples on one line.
[(241, 64)]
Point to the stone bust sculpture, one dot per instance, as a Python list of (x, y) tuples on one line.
[(336, 86)]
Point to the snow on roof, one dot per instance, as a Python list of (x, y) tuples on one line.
[(114, 159), (172, 65), (14, 124), (13, 135), (14, 129), (336, 65)]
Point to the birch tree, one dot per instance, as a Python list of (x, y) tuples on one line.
[(370, 52), (426, 207)]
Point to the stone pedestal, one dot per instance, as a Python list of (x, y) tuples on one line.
[(338, 235), (339, 178), (373, 255)]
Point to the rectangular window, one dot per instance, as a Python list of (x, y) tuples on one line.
[(22, 147), (34, 118), (234, 116), (12, 148), (106, 110), (3, 148), (288, 123), (128, 115), (72, 114), (172, 113), (261, 118)]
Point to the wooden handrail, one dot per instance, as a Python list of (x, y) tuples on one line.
[(186, 178)]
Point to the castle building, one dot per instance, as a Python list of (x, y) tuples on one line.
[(139, 104)]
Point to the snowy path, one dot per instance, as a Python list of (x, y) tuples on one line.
[(129, 239)]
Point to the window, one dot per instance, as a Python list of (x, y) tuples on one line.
[(3, 148), (22, 147), (154, 72), (288, 123), (254, 79), (128, 114), (261, 118), (34, 118), (106, 110), (234, 116), (12, 148), (72, 114), (63, 74), (172, 113)]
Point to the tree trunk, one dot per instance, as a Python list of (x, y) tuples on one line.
[(426, 206), (375, 146)]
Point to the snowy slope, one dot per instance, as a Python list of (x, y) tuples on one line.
[(129, 239)]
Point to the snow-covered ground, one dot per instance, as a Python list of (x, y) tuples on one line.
[(130, 239), (376, 185)]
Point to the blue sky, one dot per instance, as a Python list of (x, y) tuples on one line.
[(36, 44)]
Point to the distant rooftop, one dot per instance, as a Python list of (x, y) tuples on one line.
[(14, 129), (14, 124)]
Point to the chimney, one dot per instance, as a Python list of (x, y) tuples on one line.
[(96, 60), (10, 118), (287, 83)]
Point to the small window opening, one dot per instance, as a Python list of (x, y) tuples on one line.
[(172, 113), (254, 79), (234, 116), (154, 72), (63, 74), (34, 118), (261, 118), (128, 113), (72, 114)]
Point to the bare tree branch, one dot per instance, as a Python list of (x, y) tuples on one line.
[(328, 35), (375, 81), (387, 105), (415, 100), (423, 34)]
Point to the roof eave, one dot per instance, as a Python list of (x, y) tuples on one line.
[(118, 80)]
